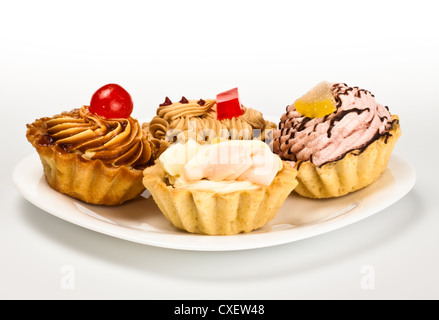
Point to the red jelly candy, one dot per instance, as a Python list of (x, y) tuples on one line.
[(228, 105)]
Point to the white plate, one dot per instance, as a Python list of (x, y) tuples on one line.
[(141, 221)]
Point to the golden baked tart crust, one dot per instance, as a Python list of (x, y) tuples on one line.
[(212, 213), (356, 170)]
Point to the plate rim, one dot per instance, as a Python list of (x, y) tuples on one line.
[(226, 243)]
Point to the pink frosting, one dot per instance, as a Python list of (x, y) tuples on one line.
[(358, 121)]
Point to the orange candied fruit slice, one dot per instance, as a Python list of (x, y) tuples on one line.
[(318, 102)]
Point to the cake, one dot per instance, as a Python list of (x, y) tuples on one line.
[(339, 137), (91, 157), (204, 120), (224, 188)]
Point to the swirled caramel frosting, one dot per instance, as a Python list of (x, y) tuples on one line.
[(357, 121), (116, 142), (197, 119)]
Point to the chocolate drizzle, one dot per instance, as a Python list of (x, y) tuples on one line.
[(338, 102), (343, 89), (341, 115), (303, 123), (295, 127), (362, 148)]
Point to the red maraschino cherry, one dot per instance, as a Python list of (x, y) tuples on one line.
[(228, 105), (111, 101)]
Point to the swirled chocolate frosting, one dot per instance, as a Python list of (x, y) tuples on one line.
[(197, 119), (358, 121), (116, 142)]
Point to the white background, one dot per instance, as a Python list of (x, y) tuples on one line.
[(55, 54)]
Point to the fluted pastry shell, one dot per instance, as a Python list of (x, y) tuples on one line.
[(90, 181), (212, 213), (356, 170)]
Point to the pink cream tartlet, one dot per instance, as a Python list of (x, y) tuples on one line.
[(342, 151)]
